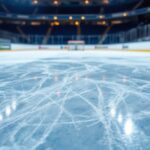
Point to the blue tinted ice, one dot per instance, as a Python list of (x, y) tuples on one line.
[(82, 103)]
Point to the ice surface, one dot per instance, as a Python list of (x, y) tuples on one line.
[(74, 101)]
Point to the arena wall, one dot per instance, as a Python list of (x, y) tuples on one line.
[(137, 46)]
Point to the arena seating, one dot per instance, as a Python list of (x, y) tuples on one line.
[(23, 28)]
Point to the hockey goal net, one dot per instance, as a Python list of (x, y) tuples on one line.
[(76, 45)]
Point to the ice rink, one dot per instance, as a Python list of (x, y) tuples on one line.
[(74, 100)]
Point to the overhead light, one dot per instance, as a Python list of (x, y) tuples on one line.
[(56, 2), (52, 23), (82, 18), (35, 23), (55, 17), (86, 2), (105, 2), (70, 18), (116, 21), (101, 23), (101, 16), (35, 2), (125, 14), (77, 23), (56, 23)]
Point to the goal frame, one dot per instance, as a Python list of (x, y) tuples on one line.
[(76, 45)]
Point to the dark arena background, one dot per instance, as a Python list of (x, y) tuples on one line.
[(74, 74)]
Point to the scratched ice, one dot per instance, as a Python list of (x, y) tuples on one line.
[(85, 103)]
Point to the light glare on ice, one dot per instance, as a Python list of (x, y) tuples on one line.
[(113, 112), (120, 118), (1, 118), (74, 101), (14, 105), (8, 111), (128, 127)]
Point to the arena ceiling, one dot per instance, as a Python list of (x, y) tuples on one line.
[(70, 6), (68, 2)]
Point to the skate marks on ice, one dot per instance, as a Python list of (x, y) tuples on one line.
[(84, 104)]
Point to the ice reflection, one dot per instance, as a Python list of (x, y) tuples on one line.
[(120, 119), (8, 111), (128, 128), (79, 104)]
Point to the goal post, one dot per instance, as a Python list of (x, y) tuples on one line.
[(76, 45), (5, 44)]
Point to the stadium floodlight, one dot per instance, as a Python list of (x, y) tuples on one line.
[(82, 17), (55, 18), (56, 23), (35, 2), (125, 14), (86, 2), (56, 2), (70, 17), (77, 23), (101, 16), (105, 2)]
